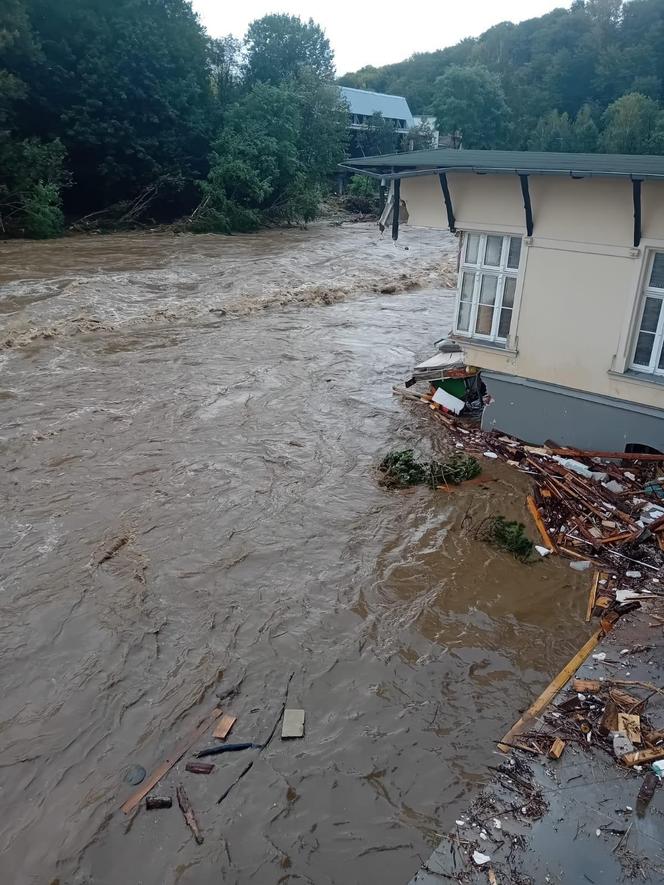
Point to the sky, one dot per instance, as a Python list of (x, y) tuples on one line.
[(370, 33)]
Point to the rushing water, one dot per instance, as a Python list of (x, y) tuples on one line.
[(233, 454)]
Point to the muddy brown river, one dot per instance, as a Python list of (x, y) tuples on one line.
[(216, 406)]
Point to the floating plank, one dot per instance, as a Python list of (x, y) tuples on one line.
[(224, 725), (293, 724), (592, 596), (534, 512), (529, 717), (643, 757), (135, 799)]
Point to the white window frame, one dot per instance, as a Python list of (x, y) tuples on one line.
[(649, 291), (480, 269)]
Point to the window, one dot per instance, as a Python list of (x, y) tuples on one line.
[(487, 284), (649, 345)]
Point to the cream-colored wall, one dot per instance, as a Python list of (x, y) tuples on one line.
[(579, 278)]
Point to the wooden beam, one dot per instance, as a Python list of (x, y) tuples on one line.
[(135, 799), (396, 209), (592, 596), (534, 512), (526, 204), (529, 718), (451, 221), (636, 199), (608, 456)]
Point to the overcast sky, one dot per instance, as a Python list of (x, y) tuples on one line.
[(364, 33)]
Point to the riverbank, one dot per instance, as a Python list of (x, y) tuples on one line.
[(571, 795)]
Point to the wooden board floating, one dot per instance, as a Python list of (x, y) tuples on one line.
[(224, 725), (530, 716), (135, 799)]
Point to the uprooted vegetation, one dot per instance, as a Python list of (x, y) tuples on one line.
[(507, 535), (401, 468)]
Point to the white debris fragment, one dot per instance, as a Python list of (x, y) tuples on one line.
[(614, 486), (483, 835), (543, 551), (480, 858), (624, 651), (600, 657), (491, 455), (628, 595), (580, 566), (598, 832), (633, 574), (496, 823), (459, 445), (630, 476), (460, 823)]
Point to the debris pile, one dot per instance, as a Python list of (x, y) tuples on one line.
[(605, 508)]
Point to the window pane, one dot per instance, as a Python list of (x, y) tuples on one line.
[(643, 351), (514, 253), (463, 320), (661, 359), (650, 316), (488, 289), (508, 292), (472, 248), (484, 319), (657, 273), (505, 321), (494, 246), (467, 285)]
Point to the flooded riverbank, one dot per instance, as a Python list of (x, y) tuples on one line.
[(235, 454)]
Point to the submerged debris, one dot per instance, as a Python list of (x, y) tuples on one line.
[(401, 468)]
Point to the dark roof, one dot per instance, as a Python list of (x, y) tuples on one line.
[(534, 162)]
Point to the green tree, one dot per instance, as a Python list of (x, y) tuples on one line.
[(471, 101), (279, 46), (553, 132), (269, 164), (125, 86), (585, 133), (377, 137), (633, 124)]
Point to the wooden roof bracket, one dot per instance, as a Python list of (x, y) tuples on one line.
[(526, 204), (451, 221), (636, 199)]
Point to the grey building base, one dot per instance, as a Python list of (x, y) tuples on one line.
[(534, 411)]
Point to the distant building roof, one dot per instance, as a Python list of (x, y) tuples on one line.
[(522, 162), (392, 107)]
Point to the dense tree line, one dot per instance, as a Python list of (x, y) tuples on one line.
[(587, 78), (111, 112)]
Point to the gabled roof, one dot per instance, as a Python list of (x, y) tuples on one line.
[(636, 166), (392, 107)]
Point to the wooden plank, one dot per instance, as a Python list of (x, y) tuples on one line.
[(643, 757), (630, 724), (556, 750), (592, 596), (224, 725), (586, 685), (534, 512), (529, 717), (135, 799), (608, 456)]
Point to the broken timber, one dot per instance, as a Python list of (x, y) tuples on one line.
[(135, 799), (549, 693), (534, 512), (592, 596), (188, 812)]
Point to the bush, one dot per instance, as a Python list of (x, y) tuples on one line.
[(362, 195), (31, 188)]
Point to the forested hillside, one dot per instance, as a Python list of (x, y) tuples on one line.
[(587, 78), (114, 112)]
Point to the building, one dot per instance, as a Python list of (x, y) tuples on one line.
[(560, 295), (363, 104)]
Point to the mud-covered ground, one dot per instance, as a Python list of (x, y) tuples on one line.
[(233, 455)]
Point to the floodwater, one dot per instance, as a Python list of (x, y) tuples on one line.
[(231, 456)]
